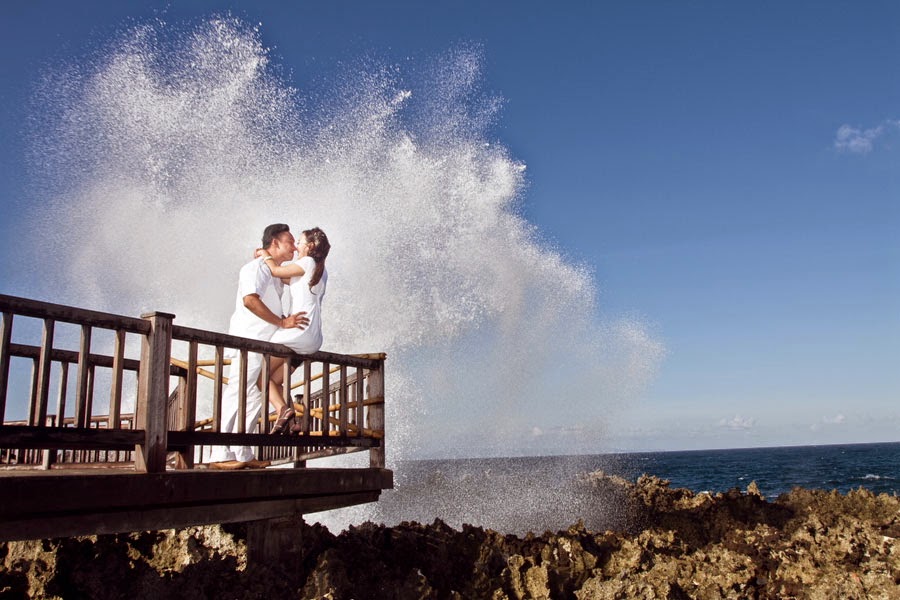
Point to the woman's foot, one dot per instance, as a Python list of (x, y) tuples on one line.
[(282, 425)]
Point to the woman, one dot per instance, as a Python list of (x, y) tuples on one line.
[(308, 279)]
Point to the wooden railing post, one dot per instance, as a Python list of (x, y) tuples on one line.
[(217, 390), (82, 415), (343, 400), (325, 400), (5, 338), (306, 419), (115, 392), (376, 414), (42, 394), (153, 394)]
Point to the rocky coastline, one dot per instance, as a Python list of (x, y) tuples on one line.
[(672, 543)]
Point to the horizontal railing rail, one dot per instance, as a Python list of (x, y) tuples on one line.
[(164, 409), (27, 307)]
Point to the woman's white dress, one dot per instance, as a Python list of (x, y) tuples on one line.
[(302, 298)]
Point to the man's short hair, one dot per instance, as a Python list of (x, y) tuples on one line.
[(272, 232)]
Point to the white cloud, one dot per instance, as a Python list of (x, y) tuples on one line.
[(559, 431), (573, 429), (861, 141), (838, 419), (738, 423)]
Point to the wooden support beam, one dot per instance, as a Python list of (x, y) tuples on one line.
[(217, 389), (153, 394), (115, 391), (89, 398), (301, 409), (242, 393), (353, 429), (264, 392), (180, 439), (212, 375), (212, 338), (5, 337), (121, 521), (197, 369), (61, 398), (316, 377), (39, 416), (275, 541), (358, 394), (103, 490), (376, 414), (311, 454), (32, 396), (71, 357), (342, 400), (189, 403), (82, 417), (325, 399), (305, 419), (69, 437), (286, 384), (69, 314)]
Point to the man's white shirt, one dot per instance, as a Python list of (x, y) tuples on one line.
[(256, 278)]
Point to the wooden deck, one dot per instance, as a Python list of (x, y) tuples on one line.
[(69, 503), (84, 455)]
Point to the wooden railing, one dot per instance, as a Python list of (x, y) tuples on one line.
[(165, 411)]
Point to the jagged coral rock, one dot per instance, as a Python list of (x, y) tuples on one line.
[(672, 544)]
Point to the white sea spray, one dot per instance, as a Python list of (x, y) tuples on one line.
[(166, 153)]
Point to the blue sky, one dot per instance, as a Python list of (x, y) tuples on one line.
[(729, 173)]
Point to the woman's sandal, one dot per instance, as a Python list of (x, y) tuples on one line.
[(296, 428), (282, 425)]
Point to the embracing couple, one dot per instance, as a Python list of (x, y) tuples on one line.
[(270, 285)]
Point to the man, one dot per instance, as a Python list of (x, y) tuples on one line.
[(256, 316)]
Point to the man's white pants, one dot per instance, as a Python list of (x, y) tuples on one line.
[(230, 407)]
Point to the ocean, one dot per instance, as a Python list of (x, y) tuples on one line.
[(875, 467), (517, 495)]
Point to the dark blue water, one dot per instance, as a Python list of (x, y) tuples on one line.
[(548, 492), (777, 470)]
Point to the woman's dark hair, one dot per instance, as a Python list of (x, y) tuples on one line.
[(318, 252)]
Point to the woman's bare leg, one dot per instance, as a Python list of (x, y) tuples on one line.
[(274, 383)]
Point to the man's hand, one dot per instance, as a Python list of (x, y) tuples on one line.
[(295, 321), (255, 305)]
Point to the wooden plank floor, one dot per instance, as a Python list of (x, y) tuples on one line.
[(47, 504)]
